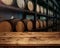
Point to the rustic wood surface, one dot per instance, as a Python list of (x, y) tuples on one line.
[(30, 38)]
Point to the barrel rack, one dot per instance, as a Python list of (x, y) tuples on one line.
[(36, 15), (36, 38)]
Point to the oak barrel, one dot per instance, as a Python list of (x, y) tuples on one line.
[(29, 5), (18, 25), (38, 8), (41, 10), (44, 23), (7, 2), (5, 26), (39, 24), (45, 11), (29, 24), (21, 4)]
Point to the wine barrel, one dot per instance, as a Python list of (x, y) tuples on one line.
[(7, 2), (38, 8), (44, 23), (41, 10), (41, 24), (37, 24), (18, 25), (29, 24), (29, 5), (21, 4), (45, 11), (5, 26)]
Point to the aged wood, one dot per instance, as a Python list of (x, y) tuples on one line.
[(29, 34), (44, 23), (30, 5), (28, 24), (37, 24), (21, 3), (45, 11), (7, 2), (41, 10), (18, 25), (5, 26), (30, 39), (38, 8), (40, 24)]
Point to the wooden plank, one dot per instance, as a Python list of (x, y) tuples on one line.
[(29, 34), (30, 38)]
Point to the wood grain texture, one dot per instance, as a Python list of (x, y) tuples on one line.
[(30, 38)]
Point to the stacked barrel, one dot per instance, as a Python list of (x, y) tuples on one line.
[(16, 25), (25, 24), (40, 24), (6, 2), (5, 26), (24, 4)]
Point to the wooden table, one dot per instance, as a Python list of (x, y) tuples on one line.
[(29, 39)]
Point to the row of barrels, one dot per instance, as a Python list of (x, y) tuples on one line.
[(50, 13), (40, 9), (20, 25), (50, 4), (22, 4), (40, 24), (43, 10)]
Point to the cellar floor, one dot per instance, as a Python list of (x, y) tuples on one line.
[(29, 39)]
